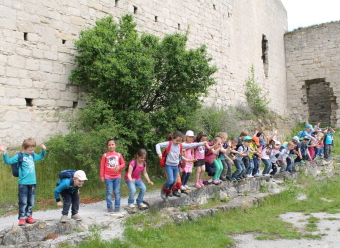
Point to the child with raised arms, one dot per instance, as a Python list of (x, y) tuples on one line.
[(188, 161), (111, 167), (172, 160), (133, 179), (199, 152)]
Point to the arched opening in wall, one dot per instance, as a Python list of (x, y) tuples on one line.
[(321, 101), (264, 56)]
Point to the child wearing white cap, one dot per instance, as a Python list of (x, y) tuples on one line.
[(187, 163)]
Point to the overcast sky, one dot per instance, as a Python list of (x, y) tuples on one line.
[(303, 13)]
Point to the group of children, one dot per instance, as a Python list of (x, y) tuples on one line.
[(215, 158)]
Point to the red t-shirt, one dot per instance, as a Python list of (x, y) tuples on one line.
[(110, 161)]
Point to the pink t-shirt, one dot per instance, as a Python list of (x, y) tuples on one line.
[(199, 152), (188, 165), (137, 170), (211, 156)]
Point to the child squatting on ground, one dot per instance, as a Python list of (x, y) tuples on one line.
[(133, 179), (27, 178), (111, 167), (68, 188), (172, 160)]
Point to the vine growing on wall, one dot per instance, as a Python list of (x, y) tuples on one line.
[(256, 99)]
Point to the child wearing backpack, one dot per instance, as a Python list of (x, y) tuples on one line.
[(68, 188), (241, 152), (328, 143), (199, 154), (172, 160), (26, 177), (111, 166), (133, 179)]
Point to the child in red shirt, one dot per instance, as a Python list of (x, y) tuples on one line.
[(111, 167)]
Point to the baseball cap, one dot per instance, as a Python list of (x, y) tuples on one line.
[(189, 133), (247, 138), (257, 141), (306, 138), (296, 138), (80, 175), (309, 126)]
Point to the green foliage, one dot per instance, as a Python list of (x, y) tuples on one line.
[(151, 84), (255, 97)]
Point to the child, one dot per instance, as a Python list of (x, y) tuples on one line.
[(284, 155), (199, 154), (172, 161), (275, 152), (27, 178), (311, 146), (188, 162), (241, 152), (217, 149), (133, 180), (111, 167), (302, 150), (223, 156), (68, 188), (253, 156), (328, 143), (320, 138)]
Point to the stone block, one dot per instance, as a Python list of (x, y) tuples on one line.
[(77, 21), (58, 68), (29, 93), (51, 55), (11, 72), (54, 94), (46, 65), (45, 103), (10, 116), (64, 103), (25, 27), (32, 64), (26, 82)]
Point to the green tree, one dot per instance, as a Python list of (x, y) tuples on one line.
[(152, 84)]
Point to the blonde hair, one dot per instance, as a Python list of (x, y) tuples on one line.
[(216, 139), (28, 143), (221, 134)]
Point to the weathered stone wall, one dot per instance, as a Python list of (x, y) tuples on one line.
[(313, 60), (36, 50)]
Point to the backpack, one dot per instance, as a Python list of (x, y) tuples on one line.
[(15, 166), (165, 153), (134, 166), (66, 174)]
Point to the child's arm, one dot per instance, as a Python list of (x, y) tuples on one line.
[(121, 163), (40, 156), (159, 146), (102, 168), (299, 153), (129, 174), (191, 145), (65, 184), (147, 176)]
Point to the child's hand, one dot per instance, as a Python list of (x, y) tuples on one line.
[(59, 204), (102, 179), (160, 156), (42, 145), (204, 142), (132, 180), (117, 169), (151, 183), (3, 148)]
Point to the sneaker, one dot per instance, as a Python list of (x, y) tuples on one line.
[(233, 179), (163, 194), (206, 183), (22, 222), (239, 179), (257, 175), (132, 206), (63, 219), (197, 185), (201, 183), (116, 210), (176, 193), (76, 217), (142, 206), (110, 209), (183, 187), (216, 182), (187, 187), (250, 176), (223, 179), (30, 220)]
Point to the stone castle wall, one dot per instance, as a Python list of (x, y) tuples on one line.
[(36, 50), (313, 75)]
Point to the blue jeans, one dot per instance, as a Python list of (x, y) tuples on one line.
[(112, 186), (132, 187), (256, 166), (251, 167), (70, 198), (289, 164), (240, 168), (26, 200), (268, 166), (172, 174)]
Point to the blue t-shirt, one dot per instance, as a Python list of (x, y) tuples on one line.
[(328, 138), (27, 168)]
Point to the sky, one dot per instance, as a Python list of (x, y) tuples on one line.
[(304, 13)]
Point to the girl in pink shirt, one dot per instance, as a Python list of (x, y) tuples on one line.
[(133, 179), (186, 164), (199, 154)]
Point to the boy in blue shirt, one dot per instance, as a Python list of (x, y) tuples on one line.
[(27, 178), (328, 143), (68, 188)]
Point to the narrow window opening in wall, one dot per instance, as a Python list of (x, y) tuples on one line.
[(63, 41), (156, 18), (214, 6), (135, 9), (25, 36), (265, 54), (179, 26), (212, 37), (29, 102), (75, 105), (229, 14), (116, 3)]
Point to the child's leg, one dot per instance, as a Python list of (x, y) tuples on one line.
[(109, 191), (289, 164), (267, 167), (139, 183), (217, 164), (186, 178), (251, 167), (67, 202), (23, 198), (198, 173), (183, 177), (283, 167), (225, 168), (116, 191), (256, 166), (132, 191), (75, 202), (274, 167), (171, 172), (30, 199), (311, 152), (202, 172), (229, 170), (238, 171)]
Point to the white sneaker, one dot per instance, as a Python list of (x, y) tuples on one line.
[(183, 187), (187, 187), (250, 176), (142, 205), (132, 206)]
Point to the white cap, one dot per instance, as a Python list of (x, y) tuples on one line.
[(189, 133), (277, 142), (80, 175)]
